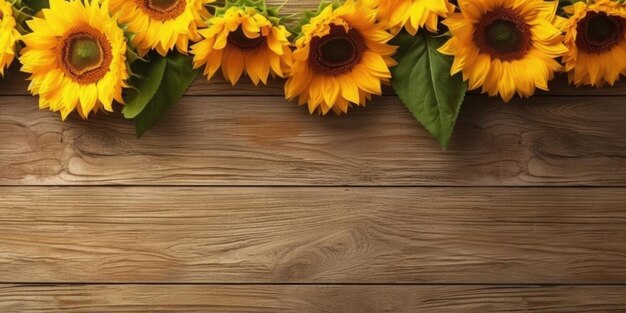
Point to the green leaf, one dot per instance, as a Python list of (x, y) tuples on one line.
[(422, 81), (178, 76), (145, 83), (37, 5)]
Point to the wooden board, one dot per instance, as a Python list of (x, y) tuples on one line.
[(239, 201), (311, 299), (313, 235), (560, 141)]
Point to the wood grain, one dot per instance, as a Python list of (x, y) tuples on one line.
[(311, 299), (564, 141), (240, 202), (319, 235)]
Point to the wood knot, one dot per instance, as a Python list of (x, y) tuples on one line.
[(98, 144), (562, 145)]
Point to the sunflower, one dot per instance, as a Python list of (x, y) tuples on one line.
[(341, 58), (505, 46), (243, 39), (76, 54), (596, 38), (162, 24), (8, 35), (411, 14)]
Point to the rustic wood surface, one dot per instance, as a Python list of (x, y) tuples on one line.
[(242, 202), (206, 140), (313, 235), (311, 298)]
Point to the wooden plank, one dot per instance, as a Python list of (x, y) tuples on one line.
[(313, 235), (559, 141), (311, 299)]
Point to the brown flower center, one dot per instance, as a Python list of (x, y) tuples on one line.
[(503, 34), (239, 39), (336, 53), (163, 10), (85, 54), (599, 32)]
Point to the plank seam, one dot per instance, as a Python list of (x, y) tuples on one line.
[(619, 186), (538, 285)]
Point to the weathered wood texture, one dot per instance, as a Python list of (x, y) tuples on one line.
[(267, 141), (311, 299), (241, 202), (319, 235)]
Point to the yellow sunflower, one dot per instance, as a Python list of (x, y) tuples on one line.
[(162, 24), (341, 58), (596, 38), (76, 54), (242, 39), (8, 35), (411, 14), (505, 46)]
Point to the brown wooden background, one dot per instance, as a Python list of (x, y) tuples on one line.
[(241, 202)]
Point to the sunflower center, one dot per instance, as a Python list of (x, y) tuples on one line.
[(162, 5), (599, 32), (338, 52), (503, 34), (239, 39), (164, 10), (85, 54)]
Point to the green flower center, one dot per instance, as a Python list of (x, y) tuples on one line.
[(503, 34), (338, 52), (86, 54), (239, 39), (599, 32)]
